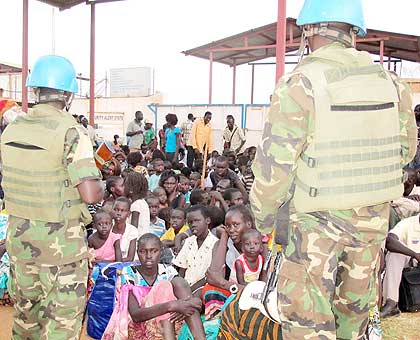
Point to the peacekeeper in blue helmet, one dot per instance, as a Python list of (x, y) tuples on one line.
[(338, 133), (49, 175)]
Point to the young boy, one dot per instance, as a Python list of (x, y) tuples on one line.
[(160, 193), (222, 171), (233, 196), (157, 225), (199, 196), (178, 226), (158, 166), (129, 233), (149, 134), (184, 188), (195, 256), (195, 179), (245, 172)]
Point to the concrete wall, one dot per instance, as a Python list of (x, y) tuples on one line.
[(249, 117), (112, 115)]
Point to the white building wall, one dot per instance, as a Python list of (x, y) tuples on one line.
[(112, 115)]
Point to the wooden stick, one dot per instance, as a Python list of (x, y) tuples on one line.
[(203, 175)]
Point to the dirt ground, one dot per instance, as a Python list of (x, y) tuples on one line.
[(404, 327)]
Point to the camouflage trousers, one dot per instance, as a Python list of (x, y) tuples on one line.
[(327, 282), (49, 300)]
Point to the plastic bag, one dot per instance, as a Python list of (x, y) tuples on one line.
[(101, 301)]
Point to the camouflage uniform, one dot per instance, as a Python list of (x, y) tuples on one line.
[(327, 279), (49, 270)]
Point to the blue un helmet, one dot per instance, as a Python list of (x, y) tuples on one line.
[(345, 11), (54, 72)]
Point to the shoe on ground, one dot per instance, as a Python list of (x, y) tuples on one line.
[(389, 309)]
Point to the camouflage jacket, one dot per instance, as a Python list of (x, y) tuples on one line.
[(289, 123), (42, 242)]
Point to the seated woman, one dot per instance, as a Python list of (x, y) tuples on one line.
[(235, 323), (160, 298), (169, 181)]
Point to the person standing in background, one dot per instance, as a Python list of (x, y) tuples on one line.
[(233, 136), (135, 131), (89, 128), (172, 137), (202, 135), (186, 133)]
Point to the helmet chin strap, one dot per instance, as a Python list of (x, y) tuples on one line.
[(66, 98), (329, 32)]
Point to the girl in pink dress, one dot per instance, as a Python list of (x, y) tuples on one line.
[(105, 243)]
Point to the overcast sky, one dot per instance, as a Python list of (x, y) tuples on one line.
[(153, 33)]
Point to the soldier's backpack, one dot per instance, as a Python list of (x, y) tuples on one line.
[(409, 300)]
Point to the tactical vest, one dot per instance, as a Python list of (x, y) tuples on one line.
[(353, 159), (35, 182)]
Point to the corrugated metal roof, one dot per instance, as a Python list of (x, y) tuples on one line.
[(63, 4), (9, 68), (260, 43)]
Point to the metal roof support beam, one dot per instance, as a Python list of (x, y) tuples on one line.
[(25, 67), (281, 39), (252, 83), (250, 48), (242, 48), (234, 84), (381, 51), (211, 77), (363, 40), (92, 66)]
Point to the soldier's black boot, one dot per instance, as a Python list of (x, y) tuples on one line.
[(390, 309)]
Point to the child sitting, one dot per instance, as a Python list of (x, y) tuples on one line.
[(212, 160), (233, 196), (246, 175), (195, 180), (115, 188), (128, 232), (134, 160), (135, 187), (177, 226), (157, 225), (156, 298), (185, 189), (105, 243), (195, 256), (199, 196), (158, 167), (160, 193), (248, 265)]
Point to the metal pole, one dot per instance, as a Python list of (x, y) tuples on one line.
[(381, 51), (252, 83), (211, 77), (25, 67), (234, 85), (280, 39), (53, 31), (92, 66)]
